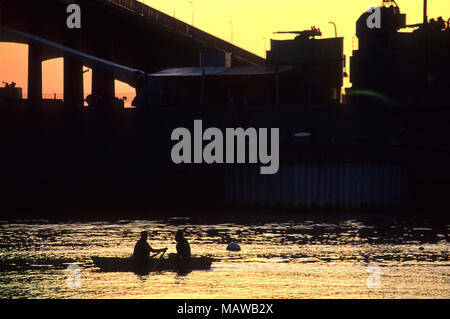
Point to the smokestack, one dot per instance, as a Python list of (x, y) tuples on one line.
[(425, 18)]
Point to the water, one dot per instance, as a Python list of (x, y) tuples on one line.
[(308, 258)]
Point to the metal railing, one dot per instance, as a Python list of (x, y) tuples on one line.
[(159, 18)]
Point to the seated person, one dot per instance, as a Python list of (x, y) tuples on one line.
[(142, 249), (183, 247)]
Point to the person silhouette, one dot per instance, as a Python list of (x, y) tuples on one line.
[(183, 247), (142, 249)]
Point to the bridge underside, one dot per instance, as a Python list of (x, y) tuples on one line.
[(143, 39)]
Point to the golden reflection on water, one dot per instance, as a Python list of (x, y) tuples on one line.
[(306, 259)]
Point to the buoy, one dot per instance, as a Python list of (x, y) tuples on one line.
[(234, 247), (421, 248)]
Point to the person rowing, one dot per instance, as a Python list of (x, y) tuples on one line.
[(183, 247), (142, 249)]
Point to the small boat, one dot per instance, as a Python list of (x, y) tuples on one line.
[(115, 264)]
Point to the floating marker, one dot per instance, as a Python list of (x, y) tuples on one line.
[(234, 247)]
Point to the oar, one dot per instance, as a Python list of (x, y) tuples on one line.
[(159, 261)]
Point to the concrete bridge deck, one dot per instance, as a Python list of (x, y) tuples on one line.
[(125, 32)]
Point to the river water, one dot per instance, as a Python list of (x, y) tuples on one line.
[(298, 257)]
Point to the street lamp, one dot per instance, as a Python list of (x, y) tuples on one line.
[(335, 28), (192, 3), (231, 26)]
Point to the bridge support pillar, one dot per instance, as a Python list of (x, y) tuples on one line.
[(73, 71), (103, 85), (103, 81), (73, 82), (34, 73)]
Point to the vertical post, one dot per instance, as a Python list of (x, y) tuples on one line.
[(73, 71), (335, 28), (73, 82), (277, 79), (202, 90), (277, 86), (1, 14), (35, 56), (103, 85), (425, 14), (34, 73), (231, 26), (192, 2), (426, 60), (103, 81)]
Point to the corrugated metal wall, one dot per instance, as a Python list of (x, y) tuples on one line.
[(350, 185)]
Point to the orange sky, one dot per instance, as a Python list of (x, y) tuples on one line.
[(251, 22)]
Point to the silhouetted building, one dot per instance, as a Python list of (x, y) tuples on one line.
[(318, 67), (300, 71), (393, 67), (10, 92)]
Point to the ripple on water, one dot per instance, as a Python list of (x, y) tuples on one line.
[(289, 259)]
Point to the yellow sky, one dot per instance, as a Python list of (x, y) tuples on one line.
[(251, 22)]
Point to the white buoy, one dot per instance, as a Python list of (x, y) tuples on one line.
[(234, 247)]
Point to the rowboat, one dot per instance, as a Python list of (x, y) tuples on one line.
[(115, 264)]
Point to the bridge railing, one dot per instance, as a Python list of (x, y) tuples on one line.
[(161, 18), (171, 23)]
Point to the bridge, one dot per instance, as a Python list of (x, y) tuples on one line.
[(126, 32)]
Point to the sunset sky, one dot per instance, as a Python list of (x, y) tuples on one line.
[(250, 21)]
